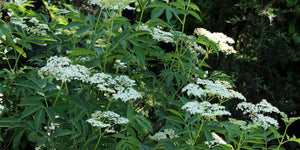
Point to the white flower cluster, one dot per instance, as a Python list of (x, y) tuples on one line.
[(121, 87), (243, 124), (219, 38), (216, 140), (114, 4), (1, 107), (38, 28), (106, 119), (193, 46), (61, 69), (167, 133), (205, 109), (222, 89), (256, 113), (159, 34)]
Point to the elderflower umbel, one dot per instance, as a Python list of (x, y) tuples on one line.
[(61, 69), (106, 119), (158, 34), (221, 89), (205, 109), (219, 38), (120, 86), (167, 133), (256, 113), (114, 4)]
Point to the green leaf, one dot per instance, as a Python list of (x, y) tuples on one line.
[(82, 51), (291, 3), (20, 50), (294, 139), (177, 5), (34, 100), (129, 113), (29, 110), (195, 15), (157, 5), (17, 139), (136, 33), (64, 132), (91, 19), (51, 113), (175, 119), (39, 118), (140, 55), (82, 30), (8, 122), (143, 122), (72, 24), (208, 135), (29, 85), (78, 102), (156, 12), (175, 112), (169, 145), (85, 127), (168, 14)]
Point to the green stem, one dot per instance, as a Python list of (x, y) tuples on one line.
[(99, 139), (183, 25), (5, 57), (198, 133), (240, 141), (61, 86), (281, 141), (16, 62)]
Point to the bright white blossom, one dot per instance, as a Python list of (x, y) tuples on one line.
[(121, 87), (114, 4), (219, 38), (37, 28), (61, 69), (256, 113), (222, 89), (158, 34), (106, 119), (205, 109), (167, 133)]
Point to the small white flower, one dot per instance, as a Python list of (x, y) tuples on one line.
[(219, 38), (167, 133), (256, 113), (205, 109)]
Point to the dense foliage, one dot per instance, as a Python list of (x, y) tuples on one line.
[(95, 79)]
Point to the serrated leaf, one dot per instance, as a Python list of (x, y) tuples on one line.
[(85, 127), (39, 118), (143, 122), (175, 119), (195, 15), (82, 51), (17, 139), (175, 112), (168, 14), (29, 85), (30, 110), (64, 132), (156, 12)]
